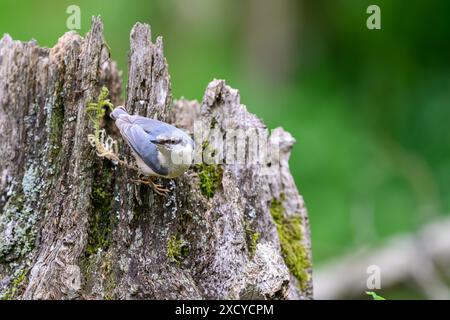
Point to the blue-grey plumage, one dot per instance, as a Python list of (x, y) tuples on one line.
[(160, 149)]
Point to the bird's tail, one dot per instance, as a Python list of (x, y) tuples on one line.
[(117, 112)]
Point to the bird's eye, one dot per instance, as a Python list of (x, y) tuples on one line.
[(167, 141)]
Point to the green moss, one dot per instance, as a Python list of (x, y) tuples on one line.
[(205, 145), (251, 237), (210, 174), (15, 286), (210, 178), (177, 249), (101, 219), (96, 110), (290, 234), (102, 192), (254, 238)]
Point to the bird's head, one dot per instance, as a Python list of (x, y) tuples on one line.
[(175, 145), (117, 112)]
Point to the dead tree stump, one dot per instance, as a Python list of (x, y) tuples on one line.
[(73, 225)]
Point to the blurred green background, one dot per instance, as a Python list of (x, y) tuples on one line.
[(370, 109)]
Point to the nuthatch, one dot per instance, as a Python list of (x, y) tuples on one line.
[(160, 149)]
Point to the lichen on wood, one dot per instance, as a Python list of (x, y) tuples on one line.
[(73, 225)]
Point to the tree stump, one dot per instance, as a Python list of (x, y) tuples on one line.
[(74, 226)]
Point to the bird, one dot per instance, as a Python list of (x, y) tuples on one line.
[(160, 149)]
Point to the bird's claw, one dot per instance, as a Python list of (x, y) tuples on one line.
[(158, 188)]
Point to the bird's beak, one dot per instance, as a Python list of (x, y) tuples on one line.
[(117, 112), (157, 142)]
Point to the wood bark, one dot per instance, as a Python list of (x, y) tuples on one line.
[(74, 226)]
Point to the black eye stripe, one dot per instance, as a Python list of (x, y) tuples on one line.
[(167, 141)]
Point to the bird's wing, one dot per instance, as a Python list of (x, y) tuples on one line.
[(154, 128), (159, 131), (139, 140)]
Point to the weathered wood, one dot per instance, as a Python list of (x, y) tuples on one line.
[(73, 225)]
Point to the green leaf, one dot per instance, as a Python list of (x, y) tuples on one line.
[(374, 295)]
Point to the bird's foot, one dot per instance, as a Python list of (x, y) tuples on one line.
[(159, 188)]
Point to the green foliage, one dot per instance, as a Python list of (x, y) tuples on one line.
[(210, 178), (177, 249), (205, 145), (252, 237), (374, 295), (290, 235), (14, 287), (97, 110), (210, 174)]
